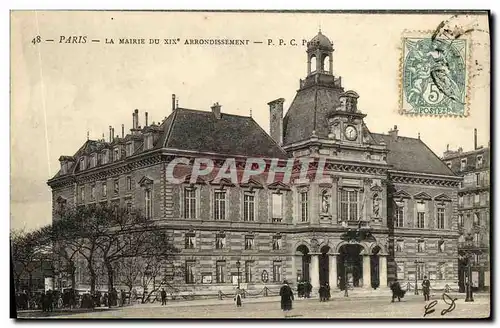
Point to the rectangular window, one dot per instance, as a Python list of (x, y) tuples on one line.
[(189, 241), (440, 217), (277, 243), (420, 215), (400, 214), (277, 207), (148, 203), (116, 187), (248, 271), (116, 154), (248, 207), (400, 270), (220, 268), (400, 245), (440, 270), (277, 271), (460, 200), (130, 149), (476, 198), (190, 272), (479, 161), (104, 157), (104, 189), (463, 164), (349, 205), (190, 203), (129, 183), (421, 271), (82, 164), (92, 192), (478, 177), (420, 246), (93, 160), (249, 242), (220, 205), (476, 219), (477, 239), (129, 207), (82, 194), (220, 241), (304, 210), (460, 221)]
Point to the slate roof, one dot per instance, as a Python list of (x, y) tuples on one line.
[(411, 154), (201, 131)]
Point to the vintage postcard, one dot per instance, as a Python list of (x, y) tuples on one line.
[(237, 164)]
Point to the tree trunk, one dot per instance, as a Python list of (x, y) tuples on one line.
[(109, 268), (93, 279), (30, 282), (72, 271)]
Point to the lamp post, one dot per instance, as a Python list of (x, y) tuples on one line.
[(238, 264), (469, 250), (417, 262)]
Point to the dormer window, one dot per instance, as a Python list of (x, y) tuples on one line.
[(105, 157), (479, 161), (116, 154), (148, 141), (130, 148), (82, 163), (64, 167), (93, 160), (463, 164)]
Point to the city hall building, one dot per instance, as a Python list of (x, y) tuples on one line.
[(385, 208)]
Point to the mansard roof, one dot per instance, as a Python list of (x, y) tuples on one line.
[(201, 131), (412, 155)]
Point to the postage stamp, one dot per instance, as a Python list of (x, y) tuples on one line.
[(434, 78)]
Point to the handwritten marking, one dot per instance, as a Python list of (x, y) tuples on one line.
[(451, 306), (429, 308)]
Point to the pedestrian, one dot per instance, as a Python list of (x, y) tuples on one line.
[(163, 294), (237, 297), (396, 291), (286, 294), (118, 299), (426, 288), (308, 289), (123, 296), (328, 295), (322, 293), (300, 289)]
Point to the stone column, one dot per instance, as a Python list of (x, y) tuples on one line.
[(332, 272), (366, 272), (382, 270), (314, 273), (335, 200)]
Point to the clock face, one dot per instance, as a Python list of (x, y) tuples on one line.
[(351, 133)]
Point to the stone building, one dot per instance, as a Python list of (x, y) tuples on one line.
[(385, 206), (473, 208)]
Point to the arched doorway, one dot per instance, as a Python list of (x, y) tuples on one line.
[(350, 265), (375, 267), (324, 265), (305, 259)]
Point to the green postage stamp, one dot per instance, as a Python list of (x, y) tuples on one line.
[(434, 79)]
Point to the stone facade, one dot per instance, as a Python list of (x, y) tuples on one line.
[(473, 209), (384, 205)]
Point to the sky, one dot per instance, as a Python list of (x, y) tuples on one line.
[(62, 91)]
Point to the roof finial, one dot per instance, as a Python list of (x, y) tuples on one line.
[(419, 136), (87, 135), (319, 27), (177, 103), (250, 112)]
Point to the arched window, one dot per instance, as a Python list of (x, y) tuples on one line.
[(313, 63), (325, 64)]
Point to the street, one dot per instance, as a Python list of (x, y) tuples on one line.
[(410, 307)]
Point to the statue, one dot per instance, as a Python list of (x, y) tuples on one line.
[(376, 206), (325, 204)]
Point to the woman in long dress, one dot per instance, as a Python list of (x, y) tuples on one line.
[(237, 297)]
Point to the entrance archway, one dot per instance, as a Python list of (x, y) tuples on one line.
[(324, 265), (305, 259), (350, 265)]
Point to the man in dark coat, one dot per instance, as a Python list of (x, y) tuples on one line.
[(308, 289), (286, 294), (426, 288), (163, 294), (327, 289), (322, 293)]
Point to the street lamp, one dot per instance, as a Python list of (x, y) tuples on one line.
[(417, 262), (238, 264), (469, 251)]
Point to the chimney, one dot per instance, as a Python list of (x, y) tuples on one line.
[(123, 130), (173, 102), (110, 134), (394, 133), (475, 139), (276, 120), (216, 110), (146, 117)]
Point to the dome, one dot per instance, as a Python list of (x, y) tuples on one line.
[(320, 41)]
